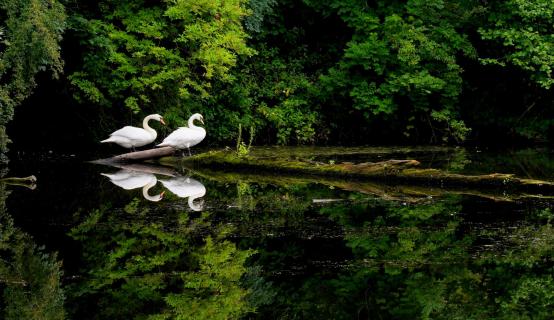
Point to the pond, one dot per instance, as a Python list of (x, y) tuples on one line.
[(152, 242)]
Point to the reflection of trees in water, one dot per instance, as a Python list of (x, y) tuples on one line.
[(415, 261), (179, 267), (29, 277), (407, 261)]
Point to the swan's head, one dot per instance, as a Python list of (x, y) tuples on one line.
[(159, 118), (197, 116), (160, 196), (155, 198), (150, 185)]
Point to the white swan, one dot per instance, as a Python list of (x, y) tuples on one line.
[(128, 180), (131, 137), (185, 187), (186, 137)]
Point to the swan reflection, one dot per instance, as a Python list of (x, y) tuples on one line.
[(130, 179), (186, 187), (133, 176)]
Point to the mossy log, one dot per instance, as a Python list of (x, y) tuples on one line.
[(394, 192), (28, 182), (407, 171)]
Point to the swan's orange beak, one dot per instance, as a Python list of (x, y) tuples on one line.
[(162, 195), (162, 121), (201, 120)]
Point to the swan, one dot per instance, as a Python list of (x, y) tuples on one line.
[(185, 187), (131, 137), (186, 137), (128, 180)]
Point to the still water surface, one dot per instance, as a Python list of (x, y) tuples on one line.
[(151, 242)]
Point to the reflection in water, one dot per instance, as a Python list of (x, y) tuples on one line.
[(177, 267), (29, 276), (265, 250), (186, 187), (411, 261), (130, 179), (133, 176)]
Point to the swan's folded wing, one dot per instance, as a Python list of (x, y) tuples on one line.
[(177, 135), (131, 132), (184, 187), (133, 180)]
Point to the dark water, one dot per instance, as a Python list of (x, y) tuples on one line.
[(210, 245)]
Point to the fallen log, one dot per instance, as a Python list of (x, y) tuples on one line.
[(386, 191), (406, 171), (28, 182), (140, 155)]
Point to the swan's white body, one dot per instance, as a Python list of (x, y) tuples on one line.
[(131, 137), (186, 137), (128, 180), (184, 187)]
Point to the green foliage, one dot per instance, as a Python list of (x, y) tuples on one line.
[(156, 272), (213, 291), (4, 140), (300, 72), (524, 29), (413, 264), (402, 63), (531, 298), (30, 277), (242, 149), (272, 94), (30, 33), (259, 8), (453, 128), (158, 58)]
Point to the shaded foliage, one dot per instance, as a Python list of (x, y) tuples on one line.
[(299, 72), (417, 261), (156, 272), (30, 33), (30, 277), (157, 59)]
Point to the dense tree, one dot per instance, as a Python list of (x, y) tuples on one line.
[(30, 32), (296, 71), (157, 58), (401, 64), (518, 35), (525, 29)]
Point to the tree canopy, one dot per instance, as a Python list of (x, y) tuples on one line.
[(298, 72)]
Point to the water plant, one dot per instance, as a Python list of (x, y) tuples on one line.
[(243, 149)]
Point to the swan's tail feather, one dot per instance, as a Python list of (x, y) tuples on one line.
[(107, 140), (163, 144)]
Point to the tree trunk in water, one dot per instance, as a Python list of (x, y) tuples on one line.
[(140, 155)]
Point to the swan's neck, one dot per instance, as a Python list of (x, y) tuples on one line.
[(147, 187), (191, 123), (200, 194), (147, 127), (192, 205)]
